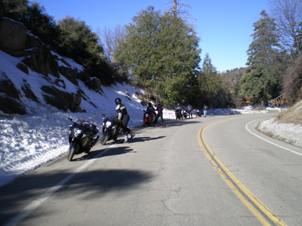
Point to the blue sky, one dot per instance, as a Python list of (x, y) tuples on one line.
[(224, 26)]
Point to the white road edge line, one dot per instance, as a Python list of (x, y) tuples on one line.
[(34, 204), (287, 149)]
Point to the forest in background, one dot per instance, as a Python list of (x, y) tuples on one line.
[(160, 52)]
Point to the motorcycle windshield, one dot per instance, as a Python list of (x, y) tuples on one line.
[(111, 119), (81, 124)]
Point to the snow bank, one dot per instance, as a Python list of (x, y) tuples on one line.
[(288, 132)]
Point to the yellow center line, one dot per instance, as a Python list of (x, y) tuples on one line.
[(260, 211)]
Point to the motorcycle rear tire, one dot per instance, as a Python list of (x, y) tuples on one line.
[(104, 138), (72, 148)]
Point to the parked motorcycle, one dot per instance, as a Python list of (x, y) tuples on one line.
[(111, 129), (198, 112), (184, 113), (149, 118), (178, 114), (82, 137)]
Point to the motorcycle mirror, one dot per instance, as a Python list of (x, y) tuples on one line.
[(103, 115), (70, 119)]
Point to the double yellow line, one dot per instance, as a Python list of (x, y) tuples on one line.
[(261, 212)]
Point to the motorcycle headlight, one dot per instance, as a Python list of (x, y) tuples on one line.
[(77, 132), (108, 124)]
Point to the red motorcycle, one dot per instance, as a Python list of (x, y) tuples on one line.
[(149, 118)]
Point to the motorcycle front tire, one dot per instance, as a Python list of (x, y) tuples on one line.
[(72, 148), (104, 138)]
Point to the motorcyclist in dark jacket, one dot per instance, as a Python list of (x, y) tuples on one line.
[(123, 118), (178, 108), (159, 109), (150, 109)]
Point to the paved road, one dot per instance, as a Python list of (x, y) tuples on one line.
[(164, 177)]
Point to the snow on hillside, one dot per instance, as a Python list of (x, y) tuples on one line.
[(29, 141)]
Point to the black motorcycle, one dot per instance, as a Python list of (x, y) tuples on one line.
[(178, 114), (111, 129), (82, 137), (184, 113), (198, 112)]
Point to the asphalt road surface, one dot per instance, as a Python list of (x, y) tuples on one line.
[(216, 170)]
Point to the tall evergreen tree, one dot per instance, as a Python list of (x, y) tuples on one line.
[(179, 59), (163, 51), (78, 40), (261, 80), (82, 45), (139, 47), (209, 81), (15, 9)]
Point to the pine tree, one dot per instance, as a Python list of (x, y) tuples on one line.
[(209, 81), (163, 52), (261, 80), (138, 49)]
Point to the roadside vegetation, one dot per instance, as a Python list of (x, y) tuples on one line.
[(160, 52)]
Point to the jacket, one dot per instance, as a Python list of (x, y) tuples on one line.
[(121, 111)]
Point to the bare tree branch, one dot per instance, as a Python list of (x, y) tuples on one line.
[(177, 9), (109, 39), (288, 15)]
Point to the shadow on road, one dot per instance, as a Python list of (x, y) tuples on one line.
[(110, 151), (181, 122), (90, 184)]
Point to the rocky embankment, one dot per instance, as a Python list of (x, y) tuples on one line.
[(32, 58)]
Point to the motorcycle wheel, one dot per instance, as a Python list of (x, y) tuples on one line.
[(104, 138), (72, 148), (89, 147), (114, 138)]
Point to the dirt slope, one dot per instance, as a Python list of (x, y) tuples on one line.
[(291, 115)]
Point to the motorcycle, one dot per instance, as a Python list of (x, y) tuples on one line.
[(198, 112), (178, 114), (149, 118), (111, 129), (184, 113), (82, 137)]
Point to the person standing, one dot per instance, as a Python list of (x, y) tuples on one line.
[(189, 109), (178, 112), (159, 109), (205, 109), (123, 118)]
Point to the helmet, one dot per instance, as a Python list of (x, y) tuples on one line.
[(118, 101), (158, 102), (149, 104)]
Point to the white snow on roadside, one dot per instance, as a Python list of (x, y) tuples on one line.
[(29, 141), (288, 132)]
